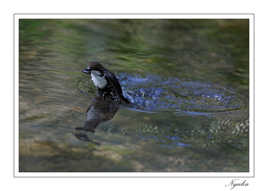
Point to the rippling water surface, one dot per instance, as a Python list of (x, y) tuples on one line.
[(187, 81)]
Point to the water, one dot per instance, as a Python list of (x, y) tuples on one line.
[(187, 80)]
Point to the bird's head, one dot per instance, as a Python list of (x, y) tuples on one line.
[(93, 66)]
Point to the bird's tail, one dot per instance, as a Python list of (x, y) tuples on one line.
[(125, 100)]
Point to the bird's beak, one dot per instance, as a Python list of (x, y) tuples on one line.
[(86, 70)]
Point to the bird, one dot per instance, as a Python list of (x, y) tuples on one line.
[(106, 82)]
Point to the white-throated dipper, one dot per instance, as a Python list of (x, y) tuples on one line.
[(105, 81)]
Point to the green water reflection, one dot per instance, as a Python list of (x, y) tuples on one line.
[(52, 54)]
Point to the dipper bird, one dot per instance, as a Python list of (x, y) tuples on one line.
[(106, 82)]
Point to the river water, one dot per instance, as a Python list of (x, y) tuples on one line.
[(187, 80)]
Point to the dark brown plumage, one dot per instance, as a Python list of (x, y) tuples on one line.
[(105, 81)]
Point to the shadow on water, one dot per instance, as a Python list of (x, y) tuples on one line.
[(187, 80), (100, 110)]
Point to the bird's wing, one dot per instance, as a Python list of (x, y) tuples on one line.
[(111, 78)]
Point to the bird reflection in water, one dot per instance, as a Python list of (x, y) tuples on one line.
[(101, 109)]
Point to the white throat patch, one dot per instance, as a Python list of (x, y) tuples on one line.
[(99, 82)]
